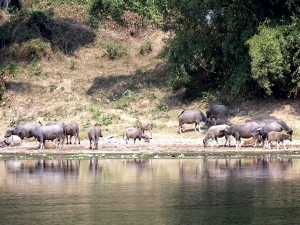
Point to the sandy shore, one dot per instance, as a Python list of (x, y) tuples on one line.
[(174, 146)]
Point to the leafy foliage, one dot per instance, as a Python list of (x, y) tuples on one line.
[(275, 59), (209, 49), (116, 51), (102, 9), (34, 34)]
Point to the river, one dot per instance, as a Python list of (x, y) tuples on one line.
[(197, 190)]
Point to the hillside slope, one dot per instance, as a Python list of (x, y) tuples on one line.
[(90, 88)]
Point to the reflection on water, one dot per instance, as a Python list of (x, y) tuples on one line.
[(253, 190)]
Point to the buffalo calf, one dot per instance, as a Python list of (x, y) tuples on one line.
[(278, 137)]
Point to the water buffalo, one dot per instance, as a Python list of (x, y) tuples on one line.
[(280, 122), (62, 124), (13, 140), (278, 137), (22, 130), (146, 125), (72, 129), (241, 130), (262, 132), (51, 132), (189, 117), (217, 112), (93, 135), (214, 133), (135, 133)]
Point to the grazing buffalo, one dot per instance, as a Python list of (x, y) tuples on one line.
[(189, 117), (93, 135), (72, 129), (22, 130), (51, 132), (241, 130), (278, 137), (262, 132), (217, 112), (135, 133), (280, 122), (146, 125), (214, 133)]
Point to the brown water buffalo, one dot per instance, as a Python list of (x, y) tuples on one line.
[(189, 117), (278, 137), (51, 132), (217, 112), (146, 125), (22, 130), (93, 135), (261, 133), (135, 133), (72, 129)]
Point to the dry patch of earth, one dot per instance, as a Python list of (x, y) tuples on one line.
[(164, 144)]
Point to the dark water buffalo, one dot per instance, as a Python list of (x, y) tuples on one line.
[(288, 129), (51, 133), (93, 135), (62, 124), (261, 133), (217, 112), (22, 130), (214, 133), (241, 130), (135, 133), (72, 129), (189, 117), (146, 125)]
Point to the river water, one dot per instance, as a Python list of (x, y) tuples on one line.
[(249, 190)]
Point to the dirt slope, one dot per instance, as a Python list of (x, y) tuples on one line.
[(89, 88)]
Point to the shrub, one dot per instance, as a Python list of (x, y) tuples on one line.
[(146, 48), (107, 119), (116, 51), (34, 49)]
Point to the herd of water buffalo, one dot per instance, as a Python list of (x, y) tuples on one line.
[(59, 131), (265, 131)]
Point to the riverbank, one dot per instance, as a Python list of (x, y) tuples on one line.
[(167, 145)]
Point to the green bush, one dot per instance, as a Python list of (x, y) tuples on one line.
[(95, 112), (116, 51), (146, 48), (275, 60), (107, 119)]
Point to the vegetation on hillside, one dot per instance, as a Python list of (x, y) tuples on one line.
[(244, 49), (94, 60)]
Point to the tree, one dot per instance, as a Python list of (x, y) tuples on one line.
[(275, 59), (210, 47)]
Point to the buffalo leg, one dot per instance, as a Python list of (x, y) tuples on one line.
[(90, 144), (78, 139), (96, 143)]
